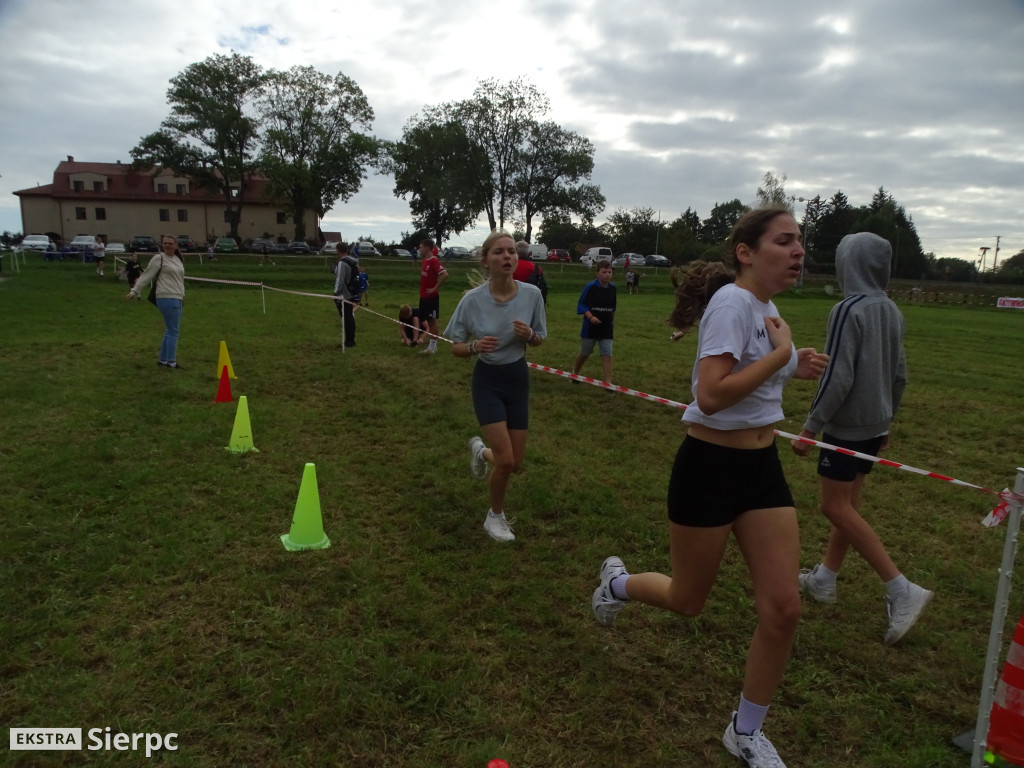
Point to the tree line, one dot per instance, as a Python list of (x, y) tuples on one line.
[(494, 154)]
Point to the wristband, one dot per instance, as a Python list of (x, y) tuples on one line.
[(472, 347), (533, 335)]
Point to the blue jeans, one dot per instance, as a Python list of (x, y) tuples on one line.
[(171, 310)]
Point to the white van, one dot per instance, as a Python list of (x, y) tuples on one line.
[(594, 255), (538, 251)]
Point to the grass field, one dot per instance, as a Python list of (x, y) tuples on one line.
[(145, 588)]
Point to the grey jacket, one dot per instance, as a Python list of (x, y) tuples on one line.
[(862, 386)]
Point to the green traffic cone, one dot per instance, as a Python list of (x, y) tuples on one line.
[(307, 530)]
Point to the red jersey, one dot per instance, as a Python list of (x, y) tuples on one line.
[(428, 276)]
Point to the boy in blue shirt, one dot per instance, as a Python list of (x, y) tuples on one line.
[(597, 305)]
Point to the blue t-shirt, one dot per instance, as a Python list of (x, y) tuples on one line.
[(479, 315), (600, 301)]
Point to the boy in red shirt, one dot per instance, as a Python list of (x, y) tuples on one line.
[(432, 277)]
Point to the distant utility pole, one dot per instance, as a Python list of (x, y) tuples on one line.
[(984, 252), (995, 255)]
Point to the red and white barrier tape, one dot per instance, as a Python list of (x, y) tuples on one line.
[(1006, 496)]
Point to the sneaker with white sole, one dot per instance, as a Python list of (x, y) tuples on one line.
[(823, 593), (498, 528), (605, 605), (755, 750), (477, 462), (905, 610)]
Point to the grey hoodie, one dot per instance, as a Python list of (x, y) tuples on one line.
[(862, 386)]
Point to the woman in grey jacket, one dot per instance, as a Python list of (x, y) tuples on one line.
[(857, 397)]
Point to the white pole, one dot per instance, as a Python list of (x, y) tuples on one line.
[(995, 637)]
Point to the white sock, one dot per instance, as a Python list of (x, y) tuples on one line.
[(618, 587), (824, 576), (749, 717), (433, 344), (898, 586)]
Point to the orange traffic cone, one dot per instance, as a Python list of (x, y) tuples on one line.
[(224, 390), (1006, 723)]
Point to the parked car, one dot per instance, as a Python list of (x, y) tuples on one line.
[(143, 243), (401, 253), (298, 246), (82, 243), (259, 243), (635, 260), (366, 248), (594, 255), (37, 243), (559, 254), (116, 249), (186, 243), (656, 260), (457, 252), (225, 245), (330, 247), (279, 248)]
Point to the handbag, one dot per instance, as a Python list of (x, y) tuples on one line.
[(152, 287)]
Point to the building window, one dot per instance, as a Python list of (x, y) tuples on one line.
[(101, 214), (80, 214), (282, 217), (97, 186), (179, 188), (79, 186), (182, 214), (165, 214), (161, 188)]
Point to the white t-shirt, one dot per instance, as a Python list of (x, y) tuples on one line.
[(479, 315), (733, 324)]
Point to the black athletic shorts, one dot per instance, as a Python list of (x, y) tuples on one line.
[(839, 466), (430, 307), (502, 393), (712, 485)]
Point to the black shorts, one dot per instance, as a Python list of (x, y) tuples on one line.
[(502, 393), (839, 466), (430, 308), (712, 485)]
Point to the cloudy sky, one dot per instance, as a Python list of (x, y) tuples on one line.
[(688, 103)]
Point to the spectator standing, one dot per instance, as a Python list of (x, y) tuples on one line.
[(364, 288), (99, 254), (346, 285), (527, 271), (432, 276), (168, 270), (597, 304), (857, 397)]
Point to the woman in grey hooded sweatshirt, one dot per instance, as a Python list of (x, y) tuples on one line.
[(858, 394)]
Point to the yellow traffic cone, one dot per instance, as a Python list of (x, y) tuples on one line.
[(224, 359), (241, 435), (307, 524)]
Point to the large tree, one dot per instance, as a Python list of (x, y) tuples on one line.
[(524, 167), (432, 169), (313, 152), (549, 177), (211, 135), (772, 192)]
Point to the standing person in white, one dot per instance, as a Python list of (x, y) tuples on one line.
[(727, 478)]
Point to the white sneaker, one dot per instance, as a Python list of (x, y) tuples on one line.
[(477, 463), (905, 610), (755, 750), (823, 593), (605, 605), (429, 351), (498, 528)]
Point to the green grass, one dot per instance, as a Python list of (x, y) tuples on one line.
[(144, 586)]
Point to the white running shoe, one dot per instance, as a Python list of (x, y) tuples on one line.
[(823, 593), (477, 463), (429, 351), (755, 750), (498, 528), (606, 606), (905, 610)]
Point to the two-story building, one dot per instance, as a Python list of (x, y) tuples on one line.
[(117, 202)]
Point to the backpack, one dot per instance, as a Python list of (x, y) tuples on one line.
[(536, 277), (353, 276)]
